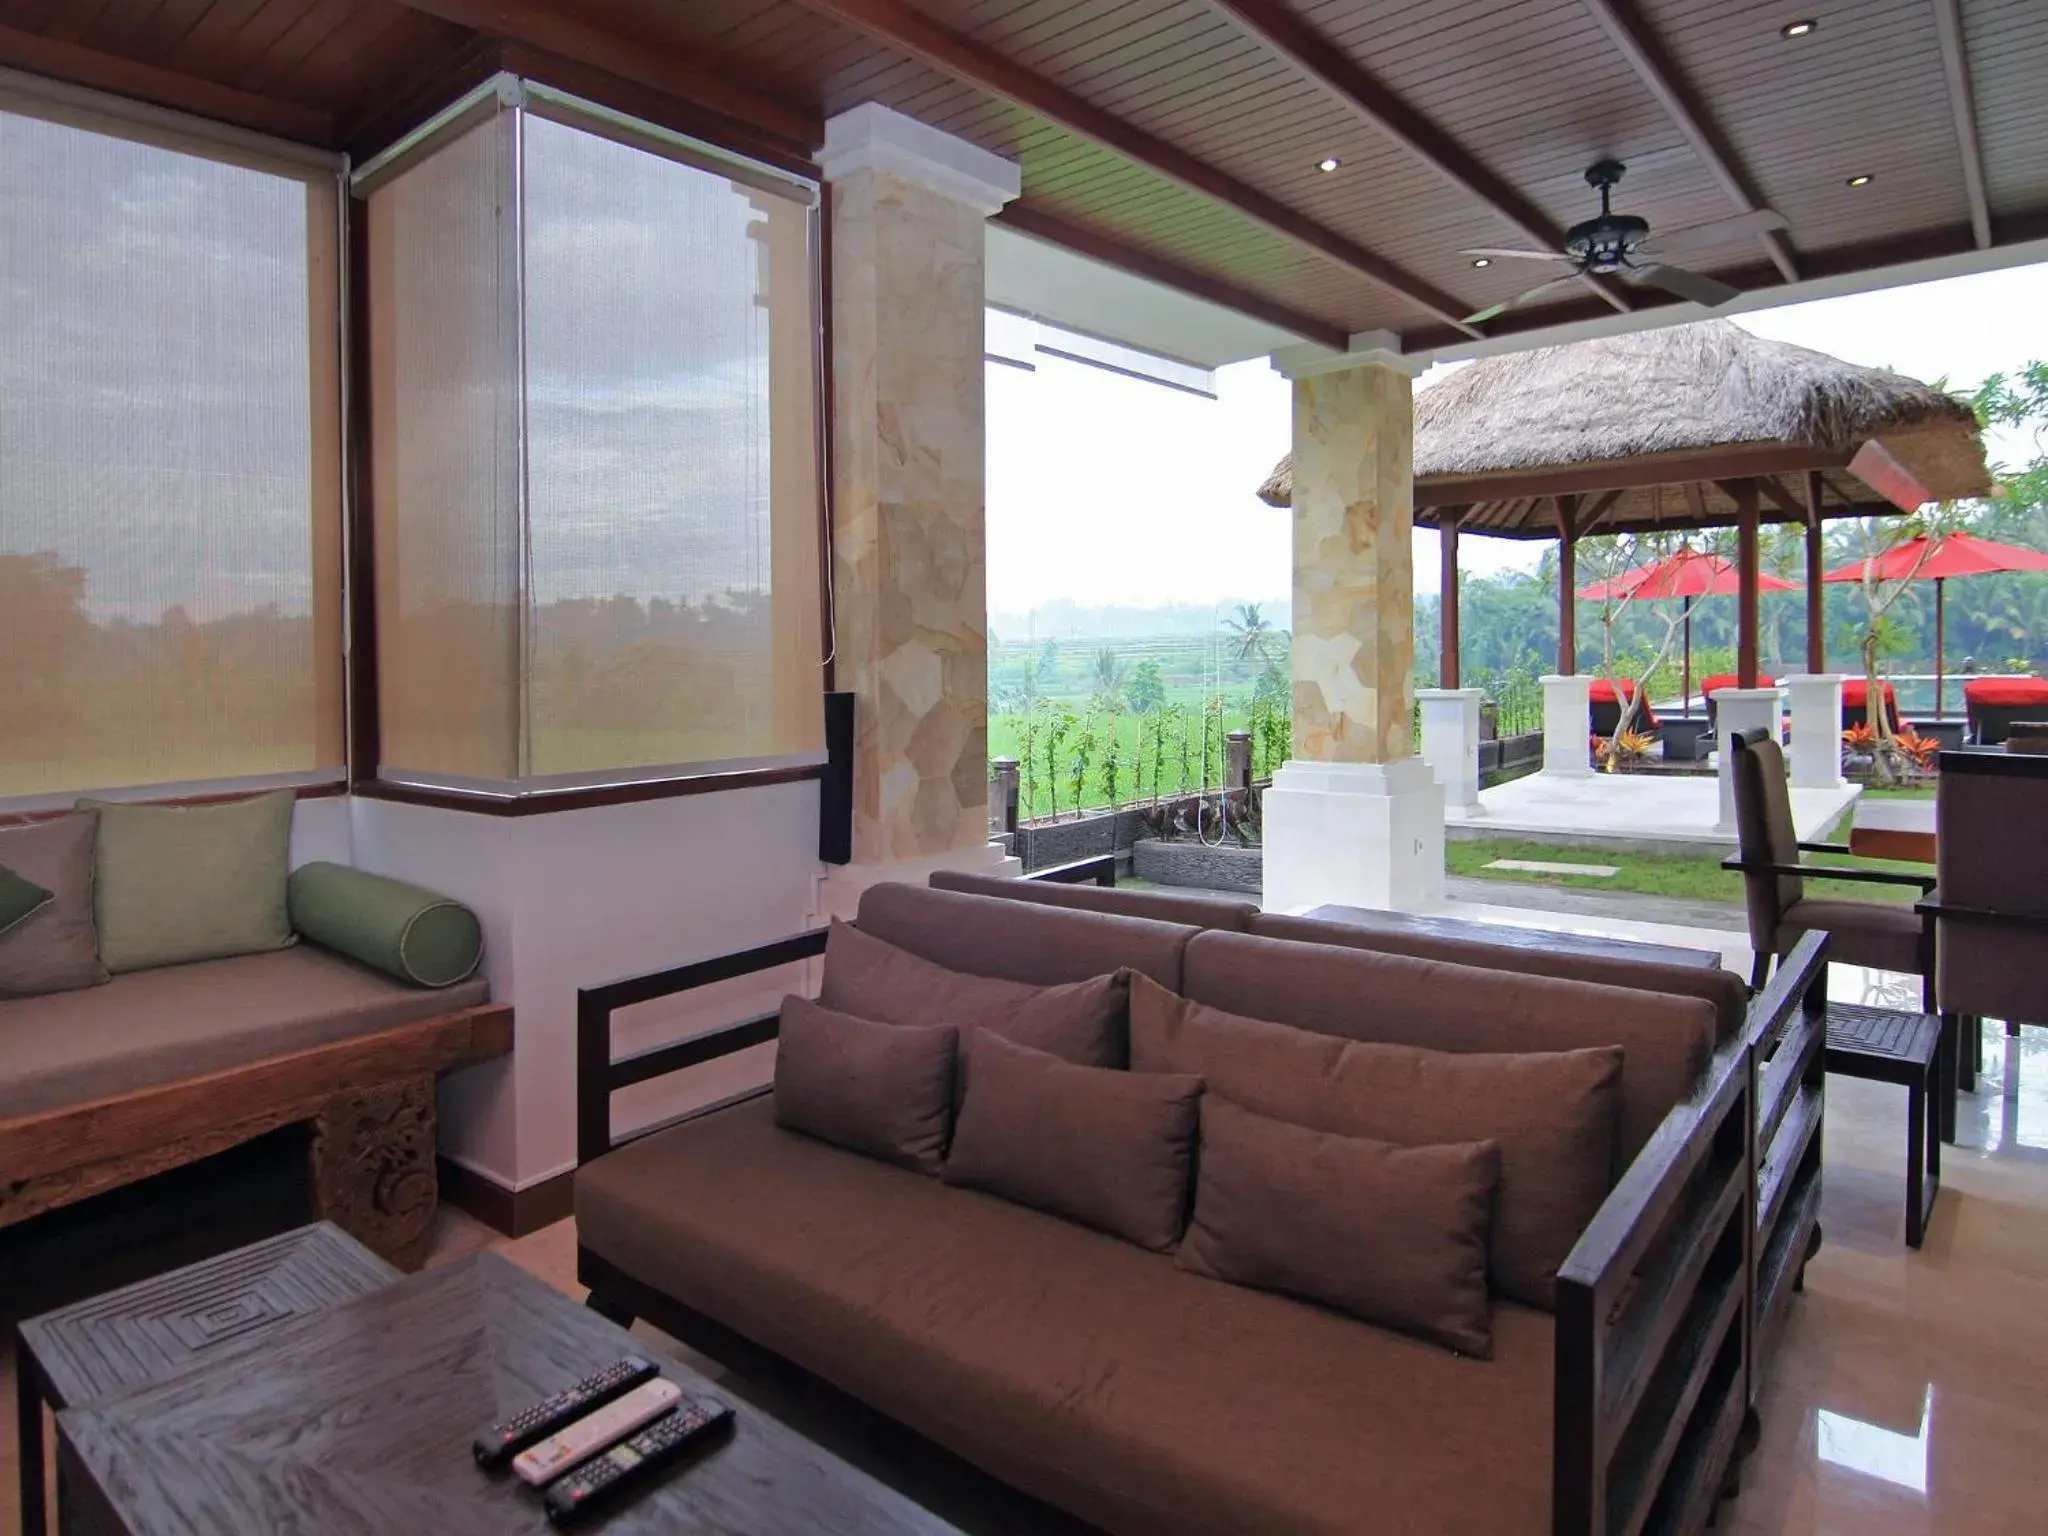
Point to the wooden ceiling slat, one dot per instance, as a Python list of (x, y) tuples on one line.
[(315, 26), (72, 20)]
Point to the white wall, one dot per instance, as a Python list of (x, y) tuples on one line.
[(582, 897)]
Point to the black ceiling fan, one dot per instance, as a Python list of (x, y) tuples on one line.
[(1620, 244)]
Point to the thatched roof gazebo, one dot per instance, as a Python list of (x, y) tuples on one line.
[(1686, 427)]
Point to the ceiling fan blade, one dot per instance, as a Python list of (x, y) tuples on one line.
[(1520, 299), (1710, 291), (1760, 221), (1494, 250)]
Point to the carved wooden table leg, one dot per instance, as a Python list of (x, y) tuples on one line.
[(373, 1167)]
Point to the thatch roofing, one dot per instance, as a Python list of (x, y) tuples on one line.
[(1647, 429)]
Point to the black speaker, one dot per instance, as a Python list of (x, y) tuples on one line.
[(835, 787)]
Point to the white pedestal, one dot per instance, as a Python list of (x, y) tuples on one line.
[(840, 886), (1450, 745), (1568, 726), (1363, 834), (1816, 730), (1737, 710)]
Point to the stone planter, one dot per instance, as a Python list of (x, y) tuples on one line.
[(1191, 862), (1046, 843)]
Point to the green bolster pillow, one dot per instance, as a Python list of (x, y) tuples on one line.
[(399, 929)]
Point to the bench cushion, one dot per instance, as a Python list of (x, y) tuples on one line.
[(1017, 941), (1081, 1369), (160, 1026), (1161, 906)]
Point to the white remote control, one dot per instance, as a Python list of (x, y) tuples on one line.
[(587, 1436)]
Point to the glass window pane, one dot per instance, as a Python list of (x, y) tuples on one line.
[(169, 465)]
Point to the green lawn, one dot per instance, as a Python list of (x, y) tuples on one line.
[(1656, 874)]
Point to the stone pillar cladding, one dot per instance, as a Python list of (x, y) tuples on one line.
[(1816, 730), (1355, 817), (909, 206), (1450, 745), (1742, 709), (1568, 726)]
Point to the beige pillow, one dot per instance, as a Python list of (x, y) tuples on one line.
[(1393, 1235), (1552, 1112), (176, 883), (54, 948), (1080, 1021)]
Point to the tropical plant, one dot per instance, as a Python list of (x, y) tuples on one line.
[(1110, 677), (1112, 760), (1027, 762), (1145, 689), (1078, 764), (1624, 747), (1058, 723), (1252, 634)]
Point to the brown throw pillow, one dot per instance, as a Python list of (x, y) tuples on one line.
[(1082, 1021), (56, 947), (1393, 1235), (1108, 1149), (1553, 1112), (882, 1089)]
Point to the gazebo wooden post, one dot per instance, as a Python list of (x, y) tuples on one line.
[(1447, 603), (1816, 606), (1748, 555), (1567, 508)]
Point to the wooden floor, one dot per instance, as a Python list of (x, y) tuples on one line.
[(1912, 1397)]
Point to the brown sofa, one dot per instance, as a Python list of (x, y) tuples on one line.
[(1086, 1371)]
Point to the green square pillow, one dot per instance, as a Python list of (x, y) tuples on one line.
[(176, 883), (19, 899)]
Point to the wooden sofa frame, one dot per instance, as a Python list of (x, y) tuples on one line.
[(1667, 1309), (368, 1099)]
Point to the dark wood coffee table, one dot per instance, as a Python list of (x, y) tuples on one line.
[(206, 1313), (1507, 935), (360, 1419)]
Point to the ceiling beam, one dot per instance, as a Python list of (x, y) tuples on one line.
[(585, 34), (1654, 65), (1029, 220), (163, 87), (910, 31), (1962, 103), (1354, 87)]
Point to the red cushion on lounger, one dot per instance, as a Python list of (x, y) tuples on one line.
[(1713, 685), (1856, 691), (2006, 691)]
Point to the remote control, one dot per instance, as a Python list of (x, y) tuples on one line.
[(498, 1444), (551, 1457), (627, 1466)]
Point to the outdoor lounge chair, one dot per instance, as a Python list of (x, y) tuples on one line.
[(1993, 704), (1605, 708), (1856, 703), (1713, 685)]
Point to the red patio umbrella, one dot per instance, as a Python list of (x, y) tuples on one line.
[(1689, 573), (1955, 554)]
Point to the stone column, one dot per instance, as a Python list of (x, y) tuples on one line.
[(909, 206), (1450, 745), (1568, 726), (1816, 730), (1355, 817), (1740, 709)]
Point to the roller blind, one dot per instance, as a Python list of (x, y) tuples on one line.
[(170, 467), (594, 438)]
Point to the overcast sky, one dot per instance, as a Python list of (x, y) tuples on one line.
[(1104, 489)]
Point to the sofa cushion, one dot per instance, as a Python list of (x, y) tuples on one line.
[(1019, 942), (407, 932), (1881, 934), (885, 1090), (165, 1025), (1723, 988), (1086, 1371), (1079, 1021), (1160, 906), (20, 899), (1389, 1234), (1108, 1149), (1666, 1040), (178, 883), (1553, 1113), (56, 948)]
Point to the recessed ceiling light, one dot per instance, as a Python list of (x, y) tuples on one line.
[(1797, 28), (1482, 261), (1862, 180), (1328, 163)]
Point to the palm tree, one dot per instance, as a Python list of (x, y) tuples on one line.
[(1253, 633), (1110, 677)]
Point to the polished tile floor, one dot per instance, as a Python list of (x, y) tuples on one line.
[(1911, 1394)]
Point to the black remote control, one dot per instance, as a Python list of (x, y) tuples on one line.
[(501, 1442), (634, 1462)]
